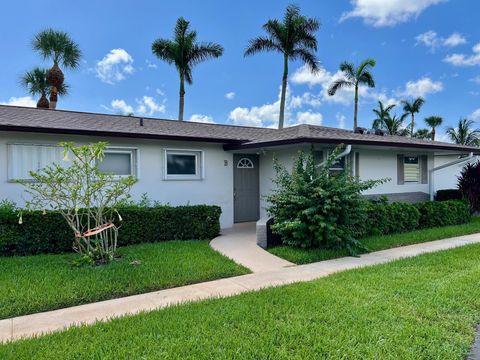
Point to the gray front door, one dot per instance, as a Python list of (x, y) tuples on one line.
[(246, 188)]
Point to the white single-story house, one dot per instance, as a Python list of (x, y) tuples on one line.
[(181, 162)]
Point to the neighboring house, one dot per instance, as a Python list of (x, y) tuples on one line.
[(230, 166)]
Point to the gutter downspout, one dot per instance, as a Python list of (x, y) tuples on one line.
[(345, 152), (431, 171)]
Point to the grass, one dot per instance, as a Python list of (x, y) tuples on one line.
[(376, 243), (418, 308), (45, 282)]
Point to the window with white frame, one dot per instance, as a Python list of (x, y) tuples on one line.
[(23, 158), (183, 164), (119, 162), (411, 169)]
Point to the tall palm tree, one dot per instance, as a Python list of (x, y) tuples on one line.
[(294, 38), (184, 52), (423, 134), (412, 107), (354, 77), (394, 125), (382, 112), (35, 81), (62, 50), (434, 122), (464, 134)]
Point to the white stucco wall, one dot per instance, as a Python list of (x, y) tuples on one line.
[(216, 188), (447, 178)]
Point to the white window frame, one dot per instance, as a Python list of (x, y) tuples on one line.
[(134, 159), (418, 181), (11, 179), (199, 163)]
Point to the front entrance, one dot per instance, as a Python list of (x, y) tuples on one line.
[(246, 194)]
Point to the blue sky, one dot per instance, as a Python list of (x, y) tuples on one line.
[(422, 47)]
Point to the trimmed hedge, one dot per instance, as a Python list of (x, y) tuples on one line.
[(448, 194), (384, 219), (49, 233)]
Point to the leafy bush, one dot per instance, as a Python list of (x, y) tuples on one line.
[(47, 232), (469, 185), (448, 194), (314, 208), (384, 218), (435, 214)]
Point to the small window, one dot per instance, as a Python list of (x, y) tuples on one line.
[(338, 165), (119, 162), (183, 165), (245, 163), (23, 158), (411, 167)]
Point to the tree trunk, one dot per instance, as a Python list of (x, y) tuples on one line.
[(181, 102), (53, 97), (433, 134), (413, 125), (284, 92), (355, 111)]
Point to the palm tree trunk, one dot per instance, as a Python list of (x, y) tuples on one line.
[(355, 112), (181, 102), (433, 134), (413, 125), (53, 97), (284, 92)]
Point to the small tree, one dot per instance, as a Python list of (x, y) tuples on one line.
[(313, 208), (469, 185), (86, 198)]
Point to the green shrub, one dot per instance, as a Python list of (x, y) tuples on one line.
[(448, 194), (469, 185), (443, 213), (313, 208), (397, 217), (48, 232)]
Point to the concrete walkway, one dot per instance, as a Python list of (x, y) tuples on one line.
[(36, 324), (240, 244)]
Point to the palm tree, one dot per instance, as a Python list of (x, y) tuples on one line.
[(412, 107), (59, 47), (184, 52), (35, 81), (433, 122), (354, 77), (394, 125), (382, 113), (464, 134), (294, 38), (423, 134)]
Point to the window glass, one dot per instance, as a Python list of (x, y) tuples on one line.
[(411, 169), (338, 164), (116, 163), (181, 164), (23, 158)]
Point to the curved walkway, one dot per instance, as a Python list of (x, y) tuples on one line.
[(37, 324), (240, 244)]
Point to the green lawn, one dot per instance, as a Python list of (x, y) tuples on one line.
[(44, 282), (418, 308), (375, 243)]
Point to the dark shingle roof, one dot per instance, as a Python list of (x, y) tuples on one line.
[(15, 118)]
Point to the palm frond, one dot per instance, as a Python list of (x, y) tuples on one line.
[(308, 58), (165, 50), (364, 65), (260, 44), (204, 51), (434, 121), (348, 69), (339, 84), (58, 46), (367, 78), (35, 81)]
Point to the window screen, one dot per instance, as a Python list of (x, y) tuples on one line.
[(117, 163)]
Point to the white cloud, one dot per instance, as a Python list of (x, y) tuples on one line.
[(202, 118), (475, 115), (121, 106), (26, 101), (230, 95), (309, 117), (431, 40), (306, 98), (454, 40), (114, 66), (341, 119), (387, 12), (476, 79), (259, 116), (421, 87), (465, 59), (145, 106), (150, 64)]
